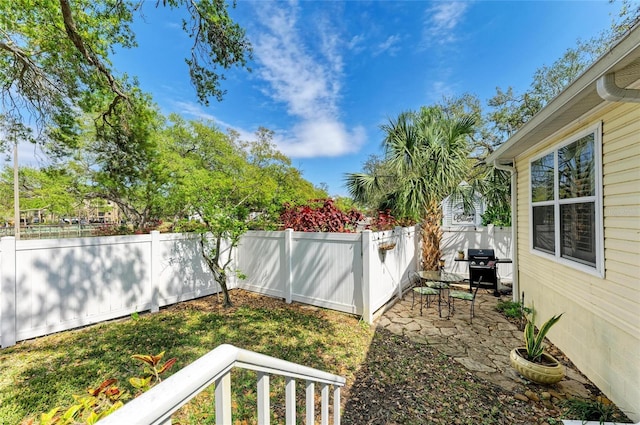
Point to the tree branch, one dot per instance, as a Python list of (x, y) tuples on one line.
[(78, 42)]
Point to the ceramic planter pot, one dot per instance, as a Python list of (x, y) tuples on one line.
[(549, 371)]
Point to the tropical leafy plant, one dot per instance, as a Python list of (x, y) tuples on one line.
[(426, 158), (107, 397), (534, 341), (152, 370)]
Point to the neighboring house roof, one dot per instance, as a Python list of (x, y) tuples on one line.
[(578, 98)]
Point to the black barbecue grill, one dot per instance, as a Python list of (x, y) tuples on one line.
[(483, 263)]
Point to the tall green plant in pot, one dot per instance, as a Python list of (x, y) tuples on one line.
[(531, 361)]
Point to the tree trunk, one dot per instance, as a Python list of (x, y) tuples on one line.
[(226, 298), (218, 272), (431, 237)]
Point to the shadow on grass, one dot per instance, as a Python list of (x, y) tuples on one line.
[(41, 374)]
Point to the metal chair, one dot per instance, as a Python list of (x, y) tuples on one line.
[(419, 288), (465, 296)]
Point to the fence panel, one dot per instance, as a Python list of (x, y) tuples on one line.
[(388, 274), (53, 285), (327, 270), (497, 238), (66, 283), (180, 273), (261, 257)]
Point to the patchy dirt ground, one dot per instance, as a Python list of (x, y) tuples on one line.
[(404, 382)]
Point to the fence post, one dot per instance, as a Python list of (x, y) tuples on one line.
[(8, 291), (417, 241), (288, 265), (155, 271), (401, 241), (367, 314)]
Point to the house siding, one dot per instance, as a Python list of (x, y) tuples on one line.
[(600, 329)]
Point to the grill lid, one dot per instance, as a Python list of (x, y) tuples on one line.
[(481, 254)]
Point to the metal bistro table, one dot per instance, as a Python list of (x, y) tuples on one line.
[(440, 280)]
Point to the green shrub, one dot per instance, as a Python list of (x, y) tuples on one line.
[(590, 410), (513, 309)]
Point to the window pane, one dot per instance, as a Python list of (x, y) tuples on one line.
[(543, 229), (576, 169), (577, 230), (542, 179)]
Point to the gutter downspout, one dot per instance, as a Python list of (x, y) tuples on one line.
[(609, 90), (515, 292)]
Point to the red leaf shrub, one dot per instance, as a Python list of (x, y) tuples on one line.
[(319, 215), (384, 221)]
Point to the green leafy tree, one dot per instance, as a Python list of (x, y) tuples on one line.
[(124, 161), (426, 153), (54, 55), (223, 182), (46, 190)]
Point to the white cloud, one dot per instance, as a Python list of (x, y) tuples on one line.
[(442, 20), (314, 138), (441, 89), (195, 110), (356, 43), (306, 78), (307, 139), (391, 45)]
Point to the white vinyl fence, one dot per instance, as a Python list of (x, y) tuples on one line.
[(463, 238), (52, 285), (57, 284)]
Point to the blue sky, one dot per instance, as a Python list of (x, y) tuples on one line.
[(326, 75)]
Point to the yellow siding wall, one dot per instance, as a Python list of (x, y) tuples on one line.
[(600, 330)]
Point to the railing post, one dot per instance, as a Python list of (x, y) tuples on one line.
[(288, 264), (8, 291), (264, 402), (223, 400), (367, 314), (290, 401), (324, 395), (310, 403), (155, 271), (336, 405)]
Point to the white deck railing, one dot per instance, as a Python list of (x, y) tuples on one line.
[(158, 404)]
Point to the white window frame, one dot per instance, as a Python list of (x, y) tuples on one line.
[(598, 269)]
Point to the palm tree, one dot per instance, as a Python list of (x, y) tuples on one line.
[(426, 156)]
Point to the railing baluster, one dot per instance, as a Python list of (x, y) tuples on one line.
[(223, 399), (336, 405), (325, 404), (264, 401), (156, 406), (310, 403), (290, 401)]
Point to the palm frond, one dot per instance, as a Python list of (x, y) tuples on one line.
[(361, 186)]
